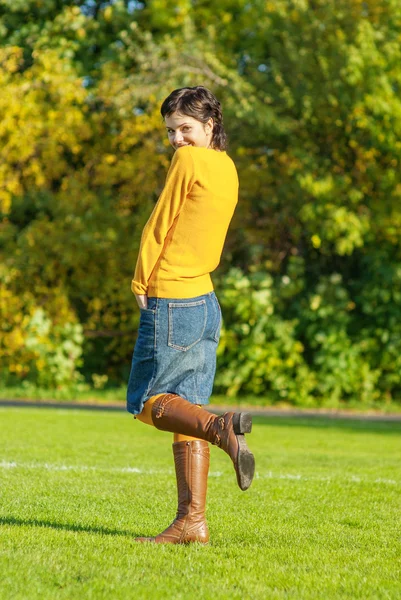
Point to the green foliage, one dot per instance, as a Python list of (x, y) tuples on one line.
[(36, 346), (310, 93), (339, 359), (319, 356), (57, 350), (258, 349)]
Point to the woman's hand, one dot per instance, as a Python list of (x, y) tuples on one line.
[(142, 300)]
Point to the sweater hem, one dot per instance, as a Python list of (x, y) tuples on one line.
[(178, 289)]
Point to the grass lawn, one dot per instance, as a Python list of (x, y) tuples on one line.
[(321, 520)]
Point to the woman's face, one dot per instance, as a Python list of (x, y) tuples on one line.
[(186, 131)]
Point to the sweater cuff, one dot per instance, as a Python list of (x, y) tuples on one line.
[(138, 288)]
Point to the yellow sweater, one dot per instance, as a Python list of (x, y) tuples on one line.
[(183, 239)]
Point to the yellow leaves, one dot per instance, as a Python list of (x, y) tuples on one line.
[(5, 201), (397, 190), (340, 35), (13, 185), (18, 369), (31, 240), (370, 154), (316, 241), (34, 168), (81, 33), (34, 341), (99, 381), (13, 320), (108, 13), (41, 117), (11, 59), (317, 187), (315, 302), (5, 295), (40, 364), (298, 346), (96, 304), (15, 340)]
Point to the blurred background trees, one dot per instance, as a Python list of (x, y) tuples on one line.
[(310, 279)]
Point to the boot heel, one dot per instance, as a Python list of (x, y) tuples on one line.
[(242, 423)]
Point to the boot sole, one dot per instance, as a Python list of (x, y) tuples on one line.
[(242, 423), (245, 468)]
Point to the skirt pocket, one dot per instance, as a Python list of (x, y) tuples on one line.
[(186, 324)]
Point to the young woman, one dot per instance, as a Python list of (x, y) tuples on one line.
[(174, 359)]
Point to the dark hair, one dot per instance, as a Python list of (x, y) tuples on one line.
[(200, 103)]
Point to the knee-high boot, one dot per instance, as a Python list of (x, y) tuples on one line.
[(191, 459), (171, 412)]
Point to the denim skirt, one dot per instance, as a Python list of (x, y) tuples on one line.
[(175, 351)]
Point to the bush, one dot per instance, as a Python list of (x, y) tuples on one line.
[(259, 352), (36, 346), (319, 356)]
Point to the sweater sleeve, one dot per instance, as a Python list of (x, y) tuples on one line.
[(180, 178)]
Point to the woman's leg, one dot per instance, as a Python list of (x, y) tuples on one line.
[(173, 413), (191, 459), (179, 437), (146, 417)]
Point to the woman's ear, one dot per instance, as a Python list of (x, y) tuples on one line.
[(209, 125)]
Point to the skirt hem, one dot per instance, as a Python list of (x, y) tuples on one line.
[(134, 411)]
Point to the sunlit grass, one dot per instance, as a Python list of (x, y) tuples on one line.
[(321, 519)]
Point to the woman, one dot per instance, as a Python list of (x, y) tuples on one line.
[(174, 359)]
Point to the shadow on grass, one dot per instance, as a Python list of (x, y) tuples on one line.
[(379, 427), (65, 526)]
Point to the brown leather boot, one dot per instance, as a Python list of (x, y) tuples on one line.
[(191, 468), (173, 413)]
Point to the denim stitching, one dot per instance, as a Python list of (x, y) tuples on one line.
[(172, 305), (152, 379), (196, 376), (216, 336)]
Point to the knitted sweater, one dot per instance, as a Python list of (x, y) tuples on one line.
[(182, 241)]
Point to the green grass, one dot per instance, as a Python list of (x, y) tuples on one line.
[(321, 520)]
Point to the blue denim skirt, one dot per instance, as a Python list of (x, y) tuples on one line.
[(175, 351)]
